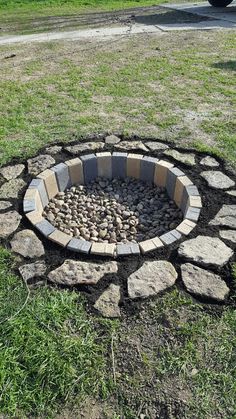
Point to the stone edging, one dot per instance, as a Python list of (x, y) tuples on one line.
[(88, 167), (200, 264)]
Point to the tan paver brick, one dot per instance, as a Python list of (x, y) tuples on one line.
[(33, 194), (75, 167), (149, 245), (181, 182), (50, 182), (134, 165), (161, 170), (60, 238), (186, 227), (194, 201), (105, 249), (104, 165), (34, 217)]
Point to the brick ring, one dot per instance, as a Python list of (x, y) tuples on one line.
[(112, 165)]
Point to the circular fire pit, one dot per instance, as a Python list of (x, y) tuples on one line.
[(113, 204)]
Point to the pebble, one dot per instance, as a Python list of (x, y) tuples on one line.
[(113, 211)]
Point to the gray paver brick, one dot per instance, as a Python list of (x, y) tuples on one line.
[(119, 164), (148, 168), (79, 246), (29, 205), (170, 237), (172, 175), (39, 185), (193, 213), (45, 227), (90, 167), (127, 249), (62, 175), (188, 191)]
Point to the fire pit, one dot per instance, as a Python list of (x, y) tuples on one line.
[(113, 204)]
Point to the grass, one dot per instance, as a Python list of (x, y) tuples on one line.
[(180, 355), (51, 352), (46, 7), (163, 89)]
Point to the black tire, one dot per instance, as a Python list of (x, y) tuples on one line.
[(220, 3)]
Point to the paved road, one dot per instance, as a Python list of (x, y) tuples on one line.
[(171, 18), (227, 14)]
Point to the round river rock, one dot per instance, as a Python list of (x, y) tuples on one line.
[(114, 211)]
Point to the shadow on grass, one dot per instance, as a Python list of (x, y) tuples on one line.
[(226, 65)]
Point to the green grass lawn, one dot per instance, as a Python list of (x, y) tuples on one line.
[(65, 6), (164, 88)]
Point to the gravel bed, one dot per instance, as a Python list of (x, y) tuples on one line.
[(113, 211)]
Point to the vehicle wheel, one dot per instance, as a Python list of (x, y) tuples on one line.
[(220, 3)]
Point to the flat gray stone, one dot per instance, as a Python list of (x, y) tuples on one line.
[(12, 172), (27, 244), (203, 283), (131, 145), (231, 193), (9, 222), (107, 303), (186, 158), (156, 146), (72, 272), (209, 161), (12, 188), (112, 139), (5, 205), (32, 270), (152, 278), (79, 148), (40, 163), (217, 179), (228, 235), (206, 250), (54, 149), (225, 217)]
